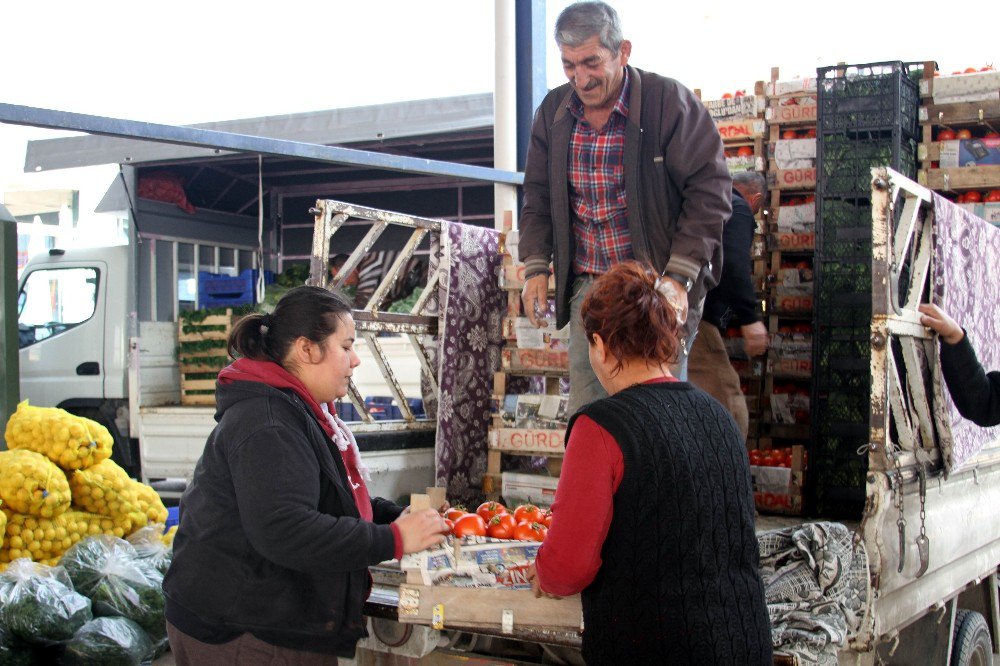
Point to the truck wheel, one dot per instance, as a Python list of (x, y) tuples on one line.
[(972, 645)]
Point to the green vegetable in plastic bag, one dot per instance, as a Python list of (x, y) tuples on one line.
[(150, 548), (109, 641), (118, 582), (14, 651), (38, 603)]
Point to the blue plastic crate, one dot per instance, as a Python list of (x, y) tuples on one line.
[(219, 291), (173, 517), (381, 407)]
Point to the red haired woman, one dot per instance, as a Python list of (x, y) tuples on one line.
[(655, 513)]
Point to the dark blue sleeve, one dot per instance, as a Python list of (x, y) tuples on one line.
[(975, 393)]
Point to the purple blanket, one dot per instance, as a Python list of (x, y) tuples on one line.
[(469, 344), (966, 285)]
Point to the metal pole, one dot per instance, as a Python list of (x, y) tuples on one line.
[(9, 374), (504, 111), (242, 143)]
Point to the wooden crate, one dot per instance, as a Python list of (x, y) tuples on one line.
[(202, 362), (445, 607)]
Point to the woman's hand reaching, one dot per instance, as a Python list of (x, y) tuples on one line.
[(421, 529)]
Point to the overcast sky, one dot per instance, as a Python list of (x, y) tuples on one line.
[(186, 62)]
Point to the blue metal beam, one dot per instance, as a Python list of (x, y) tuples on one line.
[(242, 143)]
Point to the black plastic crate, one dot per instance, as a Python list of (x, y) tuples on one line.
[(841, 413), (876, 96), (842, 377), (845, 162), (836, 478)]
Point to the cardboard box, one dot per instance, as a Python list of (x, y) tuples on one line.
[(795, 218), (795, 153), (520, 488), (970, 152), (502, 610), (978, 87), (778, 88)]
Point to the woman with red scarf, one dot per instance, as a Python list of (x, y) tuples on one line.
[(277, 527)]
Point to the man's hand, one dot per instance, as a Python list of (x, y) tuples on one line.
[(938, 320), (535, 297), (755, 338), (676, 295)]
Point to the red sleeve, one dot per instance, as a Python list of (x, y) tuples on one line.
[(570, 557), (397, 538)]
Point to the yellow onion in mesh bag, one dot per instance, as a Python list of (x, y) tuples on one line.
[(107, 490), (39, 538), (70, 441), (150, 503), (31, 483)]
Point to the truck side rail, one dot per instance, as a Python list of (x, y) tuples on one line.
[(929, 533), (417, 325)]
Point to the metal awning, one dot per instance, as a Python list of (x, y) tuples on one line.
[(375, 123)]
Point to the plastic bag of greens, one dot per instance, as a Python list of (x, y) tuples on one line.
[(109, 641), (118, 582), (38, 603), (14, 651), (150, 547)]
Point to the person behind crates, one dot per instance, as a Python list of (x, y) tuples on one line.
[(622, 164), (350, 286), (654, 511), (708, 367), (277, 528), (975, 392)]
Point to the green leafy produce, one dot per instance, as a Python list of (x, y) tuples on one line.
[(109, 641), (149, 546), (38, 604), (118, 582), (14, 651)]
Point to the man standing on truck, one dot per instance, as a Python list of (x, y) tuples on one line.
[(622, 164), (710, 369)]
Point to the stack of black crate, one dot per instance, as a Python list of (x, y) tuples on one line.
[(867, 117)]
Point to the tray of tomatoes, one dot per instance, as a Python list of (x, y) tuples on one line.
[(526, 522)]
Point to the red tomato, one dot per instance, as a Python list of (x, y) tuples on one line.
[(727, 95), (744, 151), (527, 513), (789, 134), (530, 531), (993, 196), (449, 526), (547, 518), (992, 135), (501, 526), (811, 133), (755, 457), (454, 513), (970, 70), (946, 135), (963, 134), (489, 509), (741, 93), (470, 524), (960, 198), (973, 197)]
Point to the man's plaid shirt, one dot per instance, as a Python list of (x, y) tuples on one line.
[(597, 188)]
